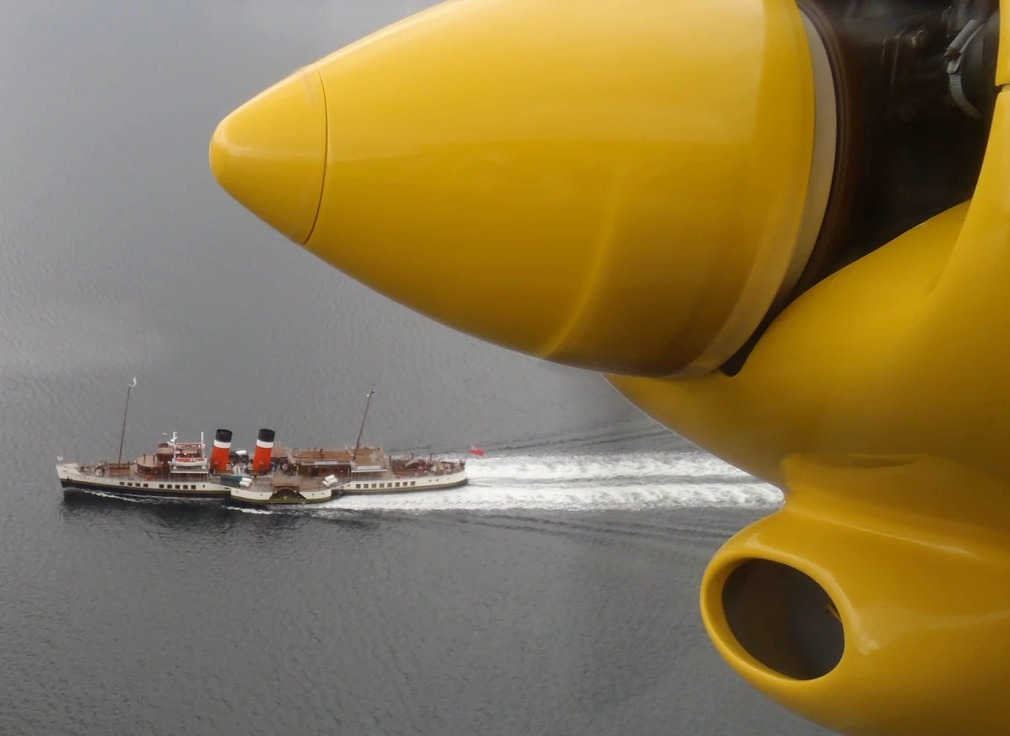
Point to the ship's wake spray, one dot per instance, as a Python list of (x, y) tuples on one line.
[(583, 482)]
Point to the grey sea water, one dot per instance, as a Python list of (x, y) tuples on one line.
[(557, 594)]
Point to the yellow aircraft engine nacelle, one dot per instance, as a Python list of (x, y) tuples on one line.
[(782, 227), (601, 185)]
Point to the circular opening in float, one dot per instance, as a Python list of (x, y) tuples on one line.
[(783, 619)]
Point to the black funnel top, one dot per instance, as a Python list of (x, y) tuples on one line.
[(266, 435), (223, 435)]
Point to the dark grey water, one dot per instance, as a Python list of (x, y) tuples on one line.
[(555, 595)]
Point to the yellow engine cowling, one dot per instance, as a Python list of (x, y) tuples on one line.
[(870, 602), (879, 402), (528, 180), (642, 188)]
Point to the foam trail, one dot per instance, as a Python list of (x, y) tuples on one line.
[(633, 480)]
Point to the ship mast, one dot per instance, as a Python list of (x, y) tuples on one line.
[(122, 435), (357, 443)]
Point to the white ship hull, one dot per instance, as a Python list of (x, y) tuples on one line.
[(405, 484), (281, 493), (274, 489), (73, 475)]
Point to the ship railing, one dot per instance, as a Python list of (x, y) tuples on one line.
[(304, 485), (118, 469), (438, 468)]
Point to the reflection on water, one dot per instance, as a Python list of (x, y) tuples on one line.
[(200, 515)]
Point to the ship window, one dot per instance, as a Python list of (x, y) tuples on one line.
[(161, 485), (396, 485), (411, 482), (145, 485)]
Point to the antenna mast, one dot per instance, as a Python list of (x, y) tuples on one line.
[(122, 435), (357, 443)]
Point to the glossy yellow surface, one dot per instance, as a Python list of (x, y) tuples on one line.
[(1003, 57), (270, 154), (880, 402), (921, 595), (599, 185)]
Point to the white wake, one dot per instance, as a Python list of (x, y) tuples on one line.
[(632, 480)]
